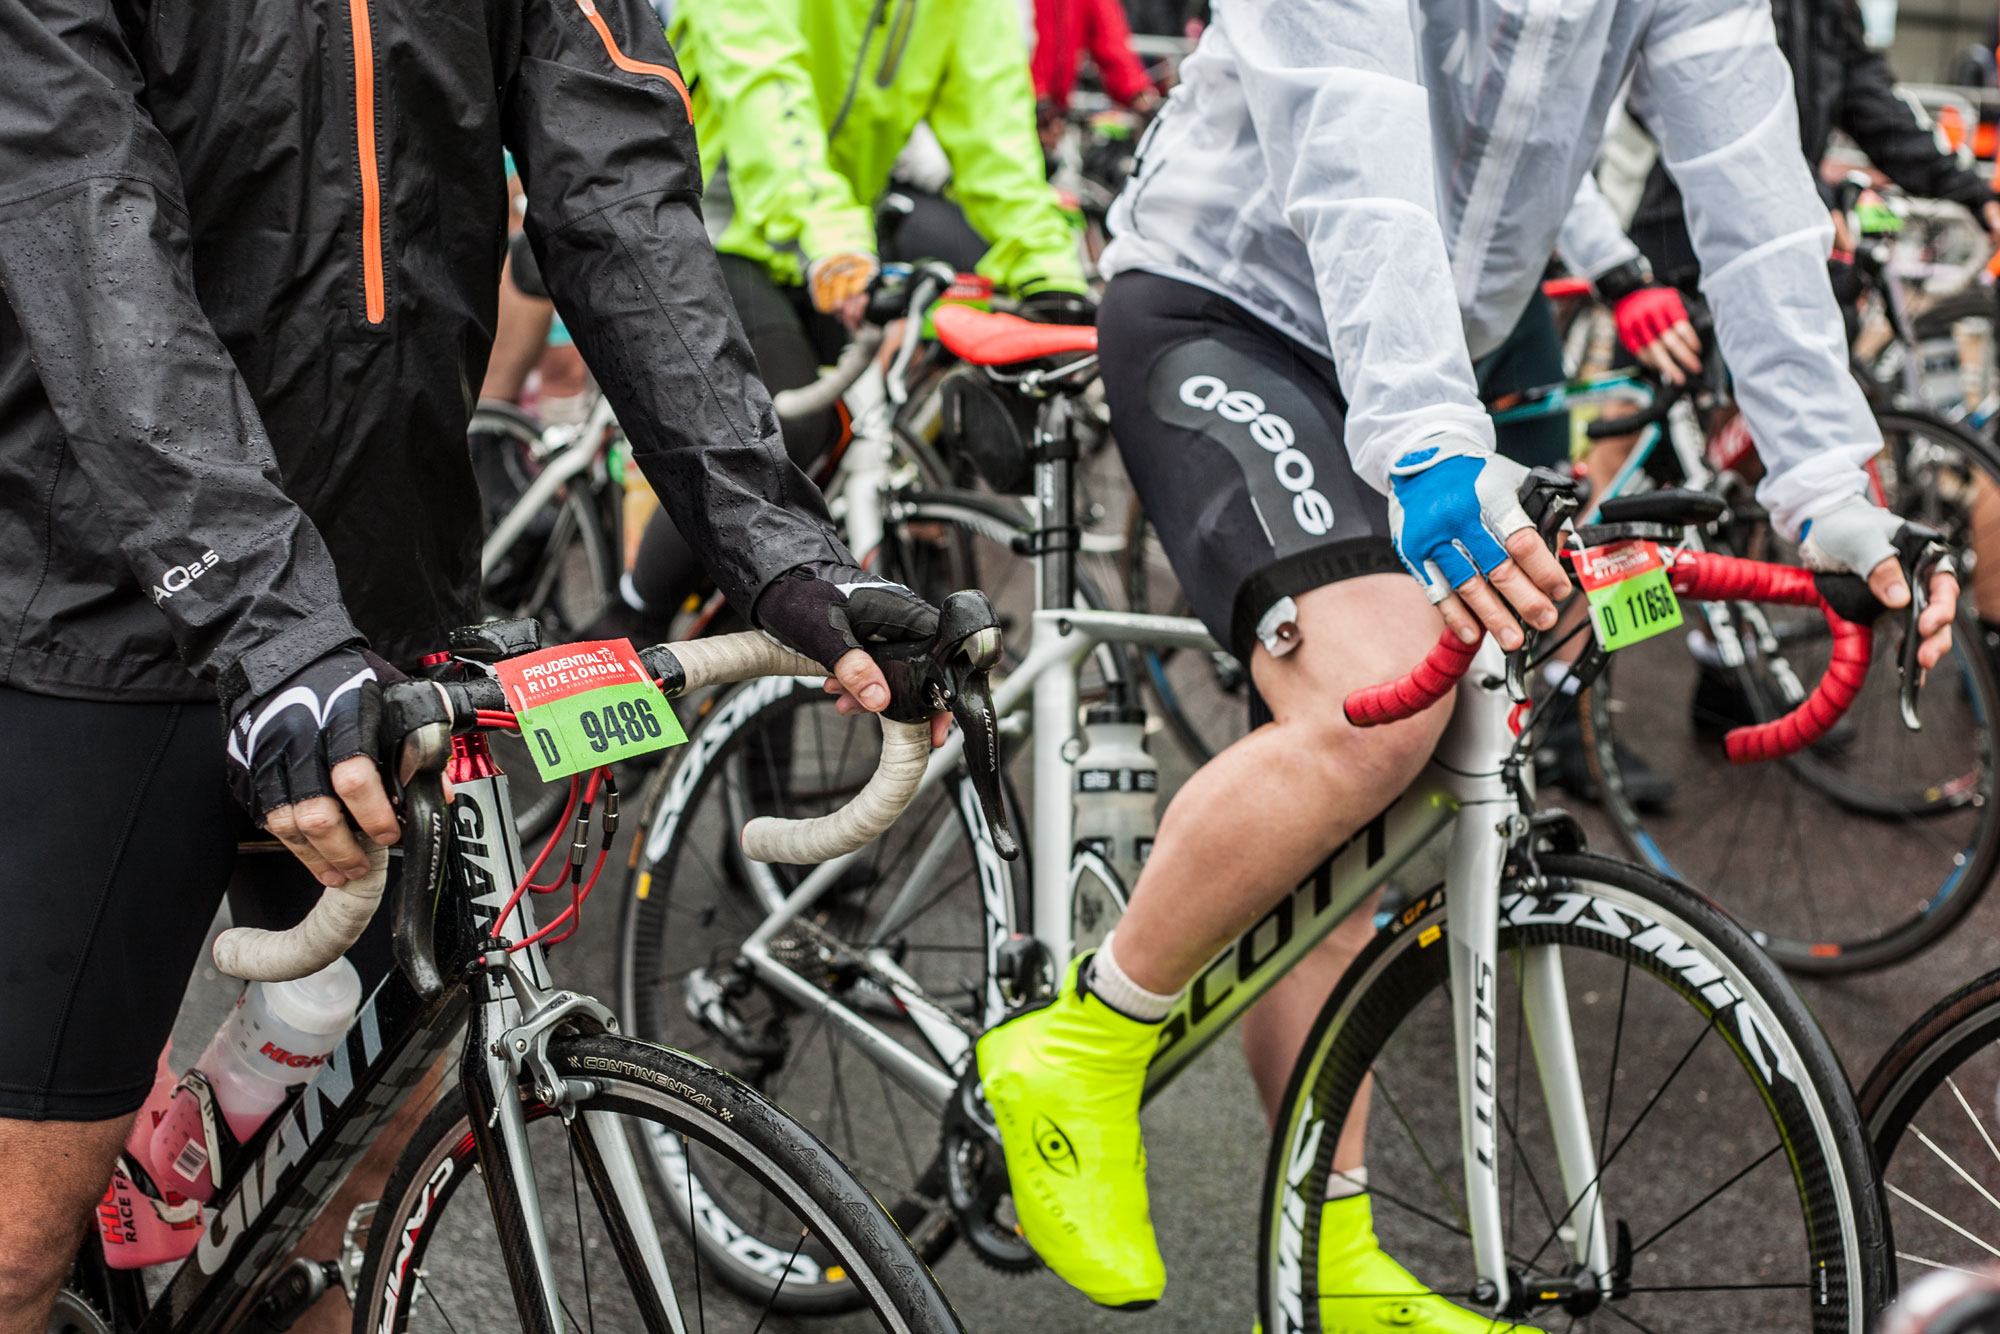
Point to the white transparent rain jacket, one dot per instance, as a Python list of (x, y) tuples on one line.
[(1385, 180)]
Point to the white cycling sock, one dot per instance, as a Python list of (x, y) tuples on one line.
[(1110, 984), (1340, 1185)]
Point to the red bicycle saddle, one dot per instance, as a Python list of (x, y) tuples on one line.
[(986, 339)]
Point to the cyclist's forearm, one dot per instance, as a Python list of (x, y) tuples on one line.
[(642, 295)]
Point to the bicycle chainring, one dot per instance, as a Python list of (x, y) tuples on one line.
[(976, 1181)]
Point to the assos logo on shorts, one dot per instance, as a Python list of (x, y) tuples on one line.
[(1273, 434)]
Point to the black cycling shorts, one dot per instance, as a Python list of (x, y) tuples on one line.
[(121, 838), (1235, 439)]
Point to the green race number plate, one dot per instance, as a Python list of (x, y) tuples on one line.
[(584, 705), (1631, 598)]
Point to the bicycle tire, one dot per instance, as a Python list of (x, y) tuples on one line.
[(1773, 843), (1615, 924), (1951, 1045), (656, 1094), (689, 901)]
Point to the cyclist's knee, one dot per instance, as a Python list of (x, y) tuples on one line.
[(1356, 633), (58, 1170)]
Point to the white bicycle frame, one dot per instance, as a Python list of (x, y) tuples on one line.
[(1462, 789), (566, 453)]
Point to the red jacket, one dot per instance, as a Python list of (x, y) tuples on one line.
[(1065, 29)]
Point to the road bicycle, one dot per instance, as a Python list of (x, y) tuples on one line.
[(1538, 1028), (564, 1121), (1930, 1106), (1868, 846)]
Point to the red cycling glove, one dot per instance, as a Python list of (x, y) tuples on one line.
[(1644, 315)]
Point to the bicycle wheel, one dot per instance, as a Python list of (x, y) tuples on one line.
[(561, 571), (1929, 1106), (1870, 845), (930, 906), (1735, 1179), (435, 1263)]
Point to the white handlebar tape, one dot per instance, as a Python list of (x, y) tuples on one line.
[(334, 924), (743, 656), (906, 752), (821, 394)]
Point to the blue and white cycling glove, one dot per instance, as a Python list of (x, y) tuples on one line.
[(1853, 536), (1451, 505)]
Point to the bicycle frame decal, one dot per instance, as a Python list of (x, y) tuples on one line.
[(301, 1124), (407, 1250), (1292, 1227), (996, 891), (1250, 966), (1574, 908)]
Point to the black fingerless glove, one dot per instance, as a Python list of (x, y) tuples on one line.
[(282, 746), (825, 611)]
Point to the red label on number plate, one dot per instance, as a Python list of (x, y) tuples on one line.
[(535, 679), (1616, 563)]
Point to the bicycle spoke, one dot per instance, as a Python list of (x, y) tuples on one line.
[(1920, 1206), (780, 1285), (1685, 1213), (1973, 1116), (431, 1293), (1952, 1163), (1604, 1163), (1410, 1133), (694, 1241), (1936, 1264), (1617, 1046)]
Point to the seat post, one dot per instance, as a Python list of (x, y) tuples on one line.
[(1055, 541)]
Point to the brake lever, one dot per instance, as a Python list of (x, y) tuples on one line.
[(1550, 500), (951, 674), (1922, 553)]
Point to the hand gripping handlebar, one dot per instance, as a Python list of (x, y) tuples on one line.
[(422, 715), (1705, 576)]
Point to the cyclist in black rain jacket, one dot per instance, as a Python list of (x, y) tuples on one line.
[(249, 251)]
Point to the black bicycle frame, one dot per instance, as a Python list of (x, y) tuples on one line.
[(291, 1168)]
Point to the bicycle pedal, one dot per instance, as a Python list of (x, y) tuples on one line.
[(296, 1288)]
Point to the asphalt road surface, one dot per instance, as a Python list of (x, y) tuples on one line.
[(1206, 1136)]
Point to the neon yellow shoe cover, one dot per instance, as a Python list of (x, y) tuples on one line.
[(1064, 1083), (1382, 1296)]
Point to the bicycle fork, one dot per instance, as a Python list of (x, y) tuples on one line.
[(1476, 864), (497, 1054)]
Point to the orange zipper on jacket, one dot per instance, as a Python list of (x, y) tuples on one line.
[(364, 139), (629, 65)]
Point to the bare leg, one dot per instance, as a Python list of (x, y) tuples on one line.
[(1249, 825), (522, 332), (56, 1172)]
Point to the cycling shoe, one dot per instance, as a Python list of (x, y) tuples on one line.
[(1064, 1081), (1385, 1297)]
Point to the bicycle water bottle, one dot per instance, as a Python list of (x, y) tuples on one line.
[(138, 1221), (1117, 785), (277, 1037)]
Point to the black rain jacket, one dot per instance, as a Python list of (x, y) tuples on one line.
[(249, 263), (1839, 82)]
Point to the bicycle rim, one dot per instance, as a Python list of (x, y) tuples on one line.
[(1930, 1108), (930, 902), (435, 1263), (1763, 1218)]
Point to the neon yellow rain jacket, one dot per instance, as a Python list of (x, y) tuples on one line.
[(809, 102)]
